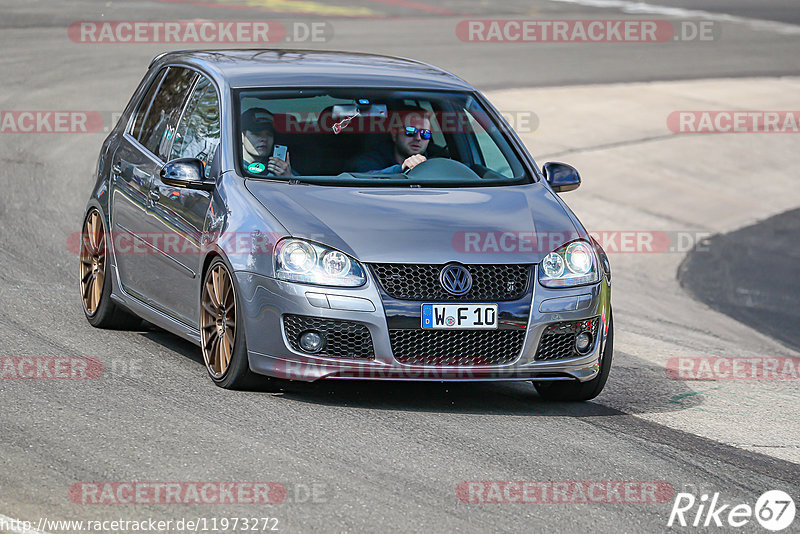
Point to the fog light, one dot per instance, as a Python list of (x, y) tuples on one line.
[(311, 341), (583, 342)]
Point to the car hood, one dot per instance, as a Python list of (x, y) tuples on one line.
[(513, 224)]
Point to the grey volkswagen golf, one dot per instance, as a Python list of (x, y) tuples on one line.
[(322, 215)]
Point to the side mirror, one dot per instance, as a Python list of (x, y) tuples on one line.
[(561, 177), (186, 172)]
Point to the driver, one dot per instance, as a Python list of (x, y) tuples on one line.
[(258, 139), (407, 150)]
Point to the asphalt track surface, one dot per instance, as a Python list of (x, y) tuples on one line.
[(383, 456), (724, 275)]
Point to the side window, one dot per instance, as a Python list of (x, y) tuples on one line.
[(144, 105), (492, 156), (438, 136), (159, 109), (197, 135)]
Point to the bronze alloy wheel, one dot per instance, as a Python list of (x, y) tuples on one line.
[(93, 262), (218, 320)]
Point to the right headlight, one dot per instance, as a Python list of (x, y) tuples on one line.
[(297, 260), (574, 264)]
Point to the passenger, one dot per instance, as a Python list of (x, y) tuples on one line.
[(258, 139), (407, 150)]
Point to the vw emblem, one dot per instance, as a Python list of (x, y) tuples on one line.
[(455, 279)]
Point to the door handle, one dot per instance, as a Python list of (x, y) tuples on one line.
[(154, 196), (116, 169)]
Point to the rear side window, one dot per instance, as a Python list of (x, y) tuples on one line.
[(197, 135), (158, 111), (144, 105)]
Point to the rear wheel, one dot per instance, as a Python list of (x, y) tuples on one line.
[(582, 391), (221, 329), (100, 310)]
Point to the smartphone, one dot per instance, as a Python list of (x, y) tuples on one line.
[(279, 152)]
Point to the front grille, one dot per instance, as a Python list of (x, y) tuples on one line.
[(456, 347), (343, 339), (406, 281), (558, 339)]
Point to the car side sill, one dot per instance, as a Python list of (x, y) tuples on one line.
[(158, 318)]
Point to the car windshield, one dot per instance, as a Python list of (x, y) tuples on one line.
[(346, 136)]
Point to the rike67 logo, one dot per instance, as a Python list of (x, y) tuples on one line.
[(774, 510)]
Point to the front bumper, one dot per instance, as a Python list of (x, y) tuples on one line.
[(266, 300)]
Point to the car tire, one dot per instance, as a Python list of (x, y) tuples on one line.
[(582, 391), (95, 286), (227, 365)]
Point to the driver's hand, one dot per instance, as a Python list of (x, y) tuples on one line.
[(278, 167), (413, 161)]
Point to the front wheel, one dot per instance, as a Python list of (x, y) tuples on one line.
[(221, 329), (582, 391)]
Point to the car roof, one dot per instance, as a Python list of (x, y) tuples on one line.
[(314, 68)]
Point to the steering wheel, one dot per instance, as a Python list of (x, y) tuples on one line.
[(442, 168)]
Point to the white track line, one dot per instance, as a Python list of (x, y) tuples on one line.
[(7, 521), (628, 6)]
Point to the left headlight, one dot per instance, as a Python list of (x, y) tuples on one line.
[(297, 260), (574, 264)]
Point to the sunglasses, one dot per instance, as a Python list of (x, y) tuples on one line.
[(411, 131)]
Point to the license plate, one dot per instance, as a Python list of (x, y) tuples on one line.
[(459, 316)]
